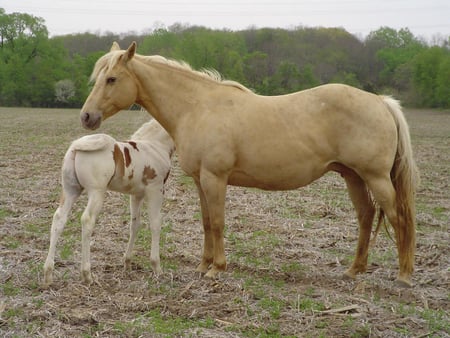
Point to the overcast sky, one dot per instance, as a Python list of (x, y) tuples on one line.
[(359, 17)]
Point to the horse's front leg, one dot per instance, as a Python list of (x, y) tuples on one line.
[(135, 210), (214, 190), (208, 254), (88, 219), (68, 198)]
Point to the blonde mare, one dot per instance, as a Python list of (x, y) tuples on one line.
[(97, 163), (227, 135)]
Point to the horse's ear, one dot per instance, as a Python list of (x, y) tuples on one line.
[(131, 51), (115, 46)]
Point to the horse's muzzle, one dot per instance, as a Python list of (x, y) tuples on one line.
[(90, 121)]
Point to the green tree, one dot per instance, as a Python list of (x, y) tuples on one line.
[(30, 63), (394, 49), (432, 77)]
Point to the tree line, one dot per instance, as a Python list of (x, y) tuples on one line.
[(41, 71)]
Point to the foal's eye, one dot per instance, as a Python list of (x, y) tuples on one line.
[(110, 80)]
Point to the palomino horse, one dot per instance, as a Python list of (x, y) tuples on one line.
[(97, 163), (226, 134)]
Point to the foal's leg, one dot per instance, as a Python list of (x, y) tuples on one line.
[(385, 194), (214, 189), (68, 198), (88, 219), (135, 210), (154, 199), (365, 212)]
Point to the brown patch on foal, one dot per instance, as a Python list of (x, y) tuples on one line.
[(127, 157), (118, 160), (148, 174), (133, 144)]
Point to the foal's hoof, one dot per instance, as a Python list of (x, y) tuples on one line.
[(48, 280), (86, 278)]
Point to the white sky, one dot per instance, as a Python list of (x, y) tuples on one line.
[(423, 18)]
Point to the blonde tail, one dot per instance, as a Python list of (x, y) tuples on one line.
[(405, 178)]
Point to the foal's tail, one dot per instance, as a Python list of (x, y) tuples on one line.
[(87, 143), (405, 178)]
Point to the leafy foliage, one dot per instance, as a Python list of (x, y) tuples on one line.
[(34, 69)]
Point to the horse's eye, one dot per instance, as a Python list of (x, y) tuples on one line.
[(110, 80)]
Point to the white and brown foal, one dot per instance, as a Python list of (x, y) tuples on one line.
[(97, 163)]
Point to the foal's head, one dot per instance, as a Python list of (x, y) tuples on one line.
[(114, 89)]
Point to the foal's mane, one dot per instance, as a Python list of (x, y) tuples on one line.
[(110, 59)]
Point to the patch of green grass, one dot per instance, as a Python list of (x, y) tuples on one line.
[(273, 306), (185, 180), (12, 313), (197, 216), (254, 251), (154, 323), (11, 242), (94, 331), (383, 256), (304, 304), (289, 212), (5, 213), (437, 320), (66, 251), (9, 288)]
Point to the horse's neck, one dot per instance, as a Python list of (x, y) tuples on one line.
[(170, 93)]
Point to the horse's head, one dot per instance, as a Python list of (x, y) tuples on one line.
[(115, 87)]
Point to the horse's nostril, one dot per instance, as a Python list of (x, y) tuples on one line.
[(86, 117)]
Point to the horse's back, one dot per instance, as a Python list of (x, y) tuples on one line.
[(288, 141)]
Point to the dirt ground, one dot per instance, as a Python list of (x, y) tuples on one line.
[(286, 251)]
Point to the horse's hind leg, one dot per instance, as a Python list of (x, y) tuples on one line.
[(365, 211), (135, 210), (385, 194), (68, 198), (88, 219)]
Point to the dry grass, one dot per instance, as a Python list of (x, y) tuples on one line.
[(286, 252)]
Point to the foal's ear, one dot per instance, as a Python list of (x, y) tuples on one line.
[(115, 46)]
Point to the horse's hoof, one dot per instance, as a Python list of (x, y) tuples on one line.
[(404, 283), (349, 275), (212, 274), (202, 268)]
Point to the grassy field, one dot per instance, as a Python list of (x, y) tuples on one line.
[(286, 251)]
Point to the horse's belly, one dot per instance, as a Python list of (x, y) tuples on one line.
[(275, 178)]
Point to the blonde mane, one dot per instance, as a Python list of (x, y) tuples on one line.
[(110, 59)]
